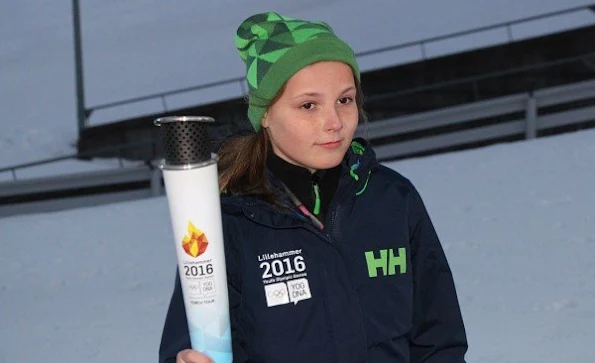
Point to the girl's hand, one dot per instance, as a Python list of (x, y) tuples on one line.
[(192, 356)]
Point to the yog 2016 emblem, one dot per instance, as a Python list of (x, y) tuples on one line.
[(195, 242)]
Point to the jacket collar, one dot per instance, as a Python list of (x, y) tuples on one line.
[(359, 164), (357, 168), (308, 187)]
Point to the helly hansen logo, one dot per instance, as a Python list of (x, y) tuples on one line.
[(386, 262)]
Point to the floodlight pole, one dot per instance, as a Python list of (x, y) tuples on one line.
[(78, 63)]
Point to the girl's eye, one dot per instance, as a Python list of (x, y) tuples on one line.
[(307, 106), (345, 100)]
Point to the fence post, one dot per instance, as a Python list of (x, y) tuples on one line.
[(164, 103), (422, 46), (531, 117)]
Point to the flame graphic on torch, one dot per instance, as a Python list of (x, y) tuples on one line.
[(195, 242)]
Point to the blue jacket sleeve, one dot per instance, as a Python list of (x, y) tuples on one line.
[(438, 333)]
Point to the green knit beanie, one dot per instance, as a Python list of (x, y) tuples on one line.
[(275, 47)]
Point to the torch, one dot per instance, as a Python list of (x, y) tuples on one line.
[(192, 187)]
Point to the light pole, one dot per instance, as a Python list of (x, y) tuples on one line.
[(78, 63)]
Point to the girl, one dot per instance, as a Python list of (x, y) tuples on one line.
[(331, 256)]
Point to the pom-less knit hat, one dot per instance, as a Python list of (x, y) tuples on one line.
[(275, 47)]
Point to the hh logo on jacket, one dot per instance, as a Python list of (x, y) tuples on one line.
[(386, 262)]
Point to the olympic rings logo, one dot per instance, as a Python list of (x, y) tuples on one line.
[(277, 293)]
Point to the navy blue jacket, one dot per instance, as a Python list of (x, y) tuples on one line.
[(373, 286)]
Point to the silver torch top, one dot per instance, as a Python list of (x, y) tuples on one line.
[(185, 141)]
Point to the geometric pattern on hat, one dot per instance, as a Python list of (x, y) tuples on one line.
[(264, 38)]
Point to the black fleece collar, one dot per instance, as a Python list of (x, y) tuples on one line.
[(301, 182)]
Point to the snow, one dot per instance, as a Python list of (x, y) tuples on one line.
[(85, 285), (516, 221)]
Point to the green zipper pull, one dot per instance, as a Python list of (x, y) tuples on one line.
[(316, 200)]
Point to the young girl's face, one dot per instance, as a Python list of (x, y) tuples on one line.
[(313, 120)]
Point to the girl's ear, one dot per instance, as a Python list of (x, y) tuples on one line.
[(265, 120)]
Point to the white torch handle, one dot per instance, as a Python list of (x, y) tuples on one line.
[(193, 197)]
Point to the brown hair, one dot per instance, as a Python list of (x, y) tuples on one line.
[(242, 160)]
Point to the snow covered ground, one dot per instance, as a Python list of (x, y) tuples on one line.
[(517, 222)]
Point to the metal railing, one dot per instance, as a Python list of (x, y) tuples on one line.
[(530, 104), (483, 77), (505, 24), (389, 127), (79, 189), (92, 153)]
